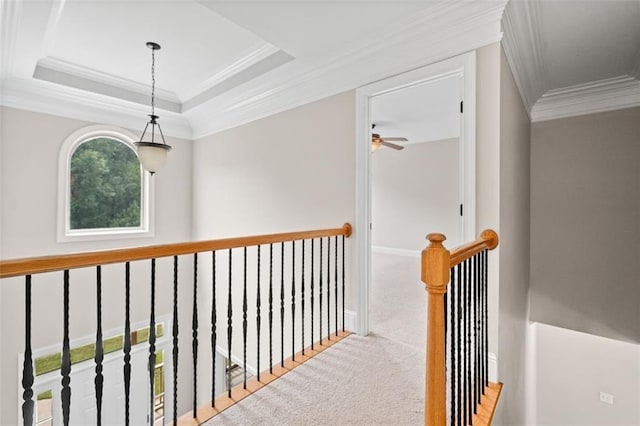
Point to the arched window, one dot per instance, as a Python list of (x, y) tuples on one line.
[(105, 190)]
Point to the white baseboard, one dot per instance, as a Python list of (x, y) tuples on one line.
[(493, 367), (350, 321), (395, 251)]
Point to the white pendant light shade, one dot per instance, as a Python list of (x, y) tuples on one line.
[(152, 155)]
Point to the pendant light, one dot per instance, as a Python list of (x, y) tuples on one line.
[(152, 154)]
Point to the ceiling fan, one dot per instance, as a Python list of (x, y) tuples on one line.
[(377, 141)]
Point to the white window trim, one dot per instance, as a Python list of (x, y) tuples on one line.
[(65, 234)]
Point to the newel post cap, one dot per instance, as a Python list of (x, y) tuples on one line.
[(436, 264)]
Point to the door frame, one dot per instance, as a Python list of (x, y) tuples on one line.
[(463, 66)]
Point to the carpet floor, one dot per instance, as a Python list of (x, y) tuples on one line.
[(372, 380)]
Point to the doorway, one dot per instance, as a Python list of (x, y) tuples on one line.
[(397, 190)]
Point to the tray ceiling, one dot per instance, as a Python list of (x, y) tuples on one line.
[(221, 63)]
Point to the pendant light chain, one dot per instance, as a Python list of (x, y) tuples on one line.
[(153, 81)]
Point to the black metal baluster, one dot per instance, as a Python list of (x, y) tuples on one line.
[(335, 281), (460, 344), (271, 308), (452, 347), (259, 329), (320, 291), (481, 319), (486, 317), (244, 318), (312, 287), (471, 336), (27, 366), (464, 340), (194, 335), (482, 330), (152, 341), (328, 288), (471, 348), (175, 333), (293, 300), (282, 304), (229, 325), (214, 332), (446, 336), (476, 287), (127, 343), (65, 368), (99, 355), (343, 300), (469, 398), (302, 296)]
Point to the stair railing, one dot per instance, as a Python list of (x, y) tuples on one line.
[(458, 391), (280, 294)]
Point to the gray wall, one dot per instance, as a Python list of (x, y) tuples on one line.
[(415, 192), (585, 223)]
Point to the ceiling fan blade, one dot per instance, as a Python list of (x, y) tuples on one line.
[(396, 139), (391, 145)]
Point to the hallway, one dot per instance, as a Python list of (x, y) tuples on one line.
[(373, 380)]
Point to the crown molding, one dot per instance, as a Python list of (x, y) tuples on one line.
[(38, 96), (522, 45), (441, 32), (598, 96)]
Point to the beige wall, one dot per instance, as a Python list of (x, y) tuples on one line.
[(488, 167), (502, 188), (414, 192), (29, 163), (585, 224), (287, 172), (514, 245), (290, 171)]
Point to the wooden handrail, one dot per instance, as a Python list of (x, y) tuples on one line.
[(488, 241), (37, 265)]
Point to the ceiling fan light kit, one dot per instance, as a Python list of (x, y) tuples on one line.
[(152, 154), (378, 142)]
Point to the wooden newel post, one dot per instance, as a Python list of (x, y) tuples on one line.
[(435, 275)]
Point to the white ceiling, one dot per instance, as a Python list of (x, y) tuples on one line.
[(224, 63), (424, 113)]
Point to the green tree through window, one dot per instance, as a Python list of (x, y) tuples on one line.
[(105, 185)]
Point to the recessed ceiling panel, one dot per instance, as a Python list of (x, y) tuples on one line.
[(110, 37)]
